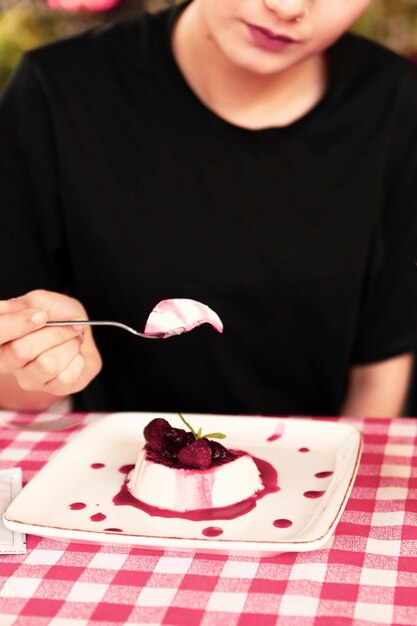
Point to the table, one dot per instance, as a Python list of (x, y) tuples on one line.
[(367, 575)]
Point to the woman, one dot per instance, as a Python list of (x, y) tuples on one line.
[(245, 153)]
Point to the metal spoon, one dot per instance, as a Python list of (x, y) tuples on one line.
[(159, 335)]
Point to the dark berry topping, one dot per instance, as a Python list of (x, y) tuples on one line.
[(177, 438), (196, 455), (219, 452), (175, 447), (155, 433)]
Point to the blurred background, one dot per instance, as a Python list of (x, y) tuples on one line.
[(25, 24)]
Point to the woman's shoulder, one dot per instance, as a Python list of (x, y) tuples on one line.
[(379, 64)]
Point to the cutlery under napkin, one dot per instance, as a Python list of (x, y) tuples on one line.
[(11, 542)]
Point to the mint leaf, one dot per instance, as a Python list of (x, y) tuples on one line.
[(188, 425), (199, 435), (214, 436)]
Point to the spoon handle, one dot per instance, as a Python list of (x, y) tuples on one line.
[(159, 335), (97, 323)]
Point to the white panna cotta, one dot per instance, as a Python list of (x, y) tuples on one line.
[(181, 489), (181, 315)]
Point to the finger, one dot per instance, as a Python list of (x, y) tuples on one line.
[(16, 354), (12, 306), (47, 366), (82, 369), (70, 380), (21, 323)]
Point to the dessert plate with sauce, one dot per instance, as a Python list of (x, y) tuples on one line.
[(78, 494)]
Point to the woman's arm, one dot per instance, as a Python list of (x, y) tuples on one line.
[(378, 389)]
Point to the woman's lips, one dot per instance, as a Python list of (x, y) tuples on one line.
[(269, 40)]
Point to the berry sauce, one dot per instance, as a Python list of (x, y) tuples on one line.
[(98, 517), (282, 523), (76, 506), (97, 465), (113, 530), (269, 478), (125, 469), (278, 432), (174, 461), (303, 449), (314, 494), (323, 474), (212, 531)]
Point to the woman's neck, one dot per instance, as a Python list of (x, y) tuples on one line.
[(239, 96)]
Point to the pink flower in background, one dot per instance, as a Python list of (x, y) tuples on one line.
[(71, 6)]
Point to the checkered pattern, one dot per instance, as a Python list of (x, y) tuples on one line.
[(367, 576)]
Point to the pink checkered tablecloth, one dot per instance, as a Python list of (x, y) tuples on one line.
[(367, 575)]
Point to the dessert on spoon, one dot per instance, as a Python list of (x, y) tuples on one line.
[(167, 318)]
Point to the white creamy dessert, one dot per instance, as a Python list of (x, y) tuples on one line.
[(181, 315), (179, 470), (182, 489)]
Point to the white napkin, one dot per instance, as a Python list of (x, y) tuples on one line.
[(11, 542)]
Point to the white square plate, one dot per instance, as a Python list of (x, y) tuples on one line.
[(87, 471)]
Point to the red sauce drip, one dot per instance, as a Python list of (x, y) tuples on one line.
[(114, 530), (282, 523), (98, 517), (314, 494), (278, 432), (125, 469), (323, 474), (303, 449), (97, 465), (76, 506), (269, 478), (212, 531)]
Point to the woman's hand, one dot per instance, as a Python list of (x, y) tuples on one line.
[(57, 360)]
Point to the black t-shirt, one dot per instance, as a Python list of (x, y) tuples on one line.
[(120, 187)]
